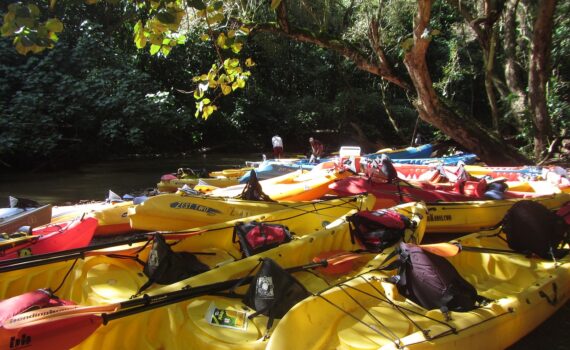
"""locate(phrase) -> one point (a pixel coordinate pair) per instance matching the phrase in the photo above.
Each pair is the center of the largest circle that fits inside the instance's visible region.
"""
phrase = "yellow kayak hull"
(295, 186)
(183, 325)
(173, 212)
(102, 280)
(473, 216)
(175, 184)
(377, 317)
(112, 217)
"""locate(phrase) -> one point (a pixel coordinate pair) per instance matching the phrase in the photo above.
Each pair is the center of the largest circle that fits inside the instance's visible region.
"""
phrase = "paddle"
(92, 250)
(66, 326)
(79, 253)
(451, 249)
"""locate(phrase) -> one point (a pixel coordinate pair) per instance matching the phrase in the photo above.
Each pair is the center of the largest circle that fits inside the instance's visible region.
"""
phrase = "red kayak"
(49, 238)
(390, 194)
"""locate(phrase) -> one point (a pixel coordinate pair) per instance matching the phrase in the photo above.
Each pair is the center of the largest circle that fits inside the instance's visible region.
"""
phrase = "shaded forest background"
(96, 96)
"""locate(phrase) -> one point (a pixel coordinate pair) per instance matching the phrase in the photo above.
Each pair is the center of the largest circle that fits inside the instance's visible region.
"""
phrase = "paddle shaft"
(146, 302)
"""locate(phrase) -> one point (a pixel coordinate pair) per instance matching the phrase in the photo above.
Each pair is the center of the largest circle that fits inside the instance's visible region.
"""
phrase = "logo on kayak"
(439, 217)
(194, 206)
(24, 340)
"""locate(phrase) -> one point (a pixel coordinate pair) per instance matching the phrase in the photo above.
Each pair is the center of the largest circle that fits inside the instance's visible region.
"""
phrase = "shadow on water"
(93, 182)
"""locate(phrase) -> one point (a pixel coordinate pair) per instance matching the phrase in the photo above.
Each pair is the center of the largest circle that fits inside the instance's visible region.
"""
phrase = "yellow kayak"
(295, 186)
(473, 216)
(368, 313)
(103, 281)
(112, 217)
(172, 212)
(172, 185)
(231, 173)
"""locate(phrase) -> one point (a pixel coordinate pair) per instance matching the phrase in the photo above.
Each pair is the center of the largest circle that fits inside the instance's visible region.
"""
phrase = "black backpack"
(432, 282)
(164, 266)
(273, 292)
(532, 228)
(378, 229)
(252, 190)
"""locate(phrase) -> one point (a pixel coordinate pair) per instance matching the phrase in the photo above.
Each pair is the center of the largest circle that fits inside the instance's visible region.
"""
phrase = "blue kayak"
(468, 158)
(423, 151)
(269, 169)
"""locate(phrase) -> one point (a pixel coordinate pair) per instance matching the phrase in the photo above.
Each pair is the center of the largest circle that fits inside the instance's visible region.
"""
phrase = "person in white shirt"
(277, 146)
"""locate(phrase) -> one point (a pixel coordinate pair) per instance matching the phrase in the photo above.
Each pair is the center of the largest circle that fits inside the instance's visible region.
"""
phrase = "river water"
(93, 182)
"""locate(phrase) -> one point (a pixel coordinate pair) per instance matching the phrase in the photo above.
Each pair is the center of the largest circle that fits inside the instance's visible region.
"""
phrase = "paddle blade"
(442, 249)
(338, 262)
(52, 334)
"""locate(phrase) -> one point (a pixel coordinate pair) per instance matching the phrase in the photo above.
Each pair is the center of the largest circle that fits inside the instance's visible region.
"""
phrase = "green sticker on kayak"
(226, 318)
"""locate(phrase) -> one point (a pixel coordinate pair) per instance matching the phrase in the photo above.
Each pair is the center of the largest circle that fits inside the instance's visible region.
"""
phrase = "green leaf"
(236, 47)
(138, 26)
(208, 110)
(165, 50)
(181, 39)
(275, 4)
(197, 4)
(54, 25)
(221, 41)
(34, 10)
(166, 17)
(217, 18)
(407, 44)
(226, 89)
(154, 49)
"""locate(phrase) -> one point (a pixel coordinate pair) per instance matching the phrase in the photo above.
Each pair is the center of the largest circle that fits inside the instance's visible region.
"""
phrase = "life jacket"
(432, 282)
(378, 229)
(532, 228)
(256, 237)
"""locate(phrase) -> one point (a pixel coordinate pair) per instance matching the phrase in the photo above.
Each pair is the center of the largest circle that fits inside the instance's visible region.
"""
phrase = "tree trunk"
(539, 71)
(489, 86)
(512, 67)
(465, 131)
(368, 146)
(433, 110)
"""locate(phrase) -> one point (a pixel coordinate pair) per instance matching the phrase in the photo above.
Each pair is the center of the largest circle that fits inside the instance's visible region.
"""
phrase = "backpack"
(164, 266)
(532, 228)
(376, 230)
(273, 292)
(252, 190)
(256, 237)
(432, 282)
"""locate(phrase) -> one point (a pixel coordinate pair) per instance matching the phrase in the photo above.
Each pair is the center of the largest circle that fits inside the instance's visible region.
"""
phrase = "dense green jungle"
(340, 71)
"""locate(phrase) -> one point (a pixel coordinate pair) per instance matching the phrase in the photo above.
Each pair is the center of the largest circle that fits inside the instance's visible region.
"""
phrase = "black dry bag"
(532, 228)
(433, 282)
(164, 266)
(378, 229)
(273, 291)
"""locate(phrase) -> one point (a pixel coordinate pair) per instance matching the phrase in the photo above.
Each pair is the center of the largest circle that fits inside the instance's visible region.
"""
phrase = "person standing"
(277, 143)
(317, 150)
